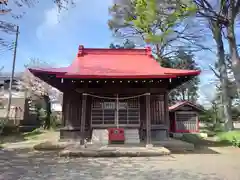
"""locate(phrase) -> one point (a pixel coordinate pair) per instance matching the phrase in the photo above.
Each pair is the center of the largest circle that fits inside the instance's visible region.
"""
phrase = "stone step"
(99, 136)
(132, 142)
(131, 136)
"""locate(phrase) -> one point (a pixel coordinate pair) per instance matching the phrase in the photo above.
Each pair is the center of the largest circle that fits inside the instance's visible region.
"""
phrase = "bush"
(218, 127)
(54, 122)
(33, 134)
(3, 123)
(236, 142)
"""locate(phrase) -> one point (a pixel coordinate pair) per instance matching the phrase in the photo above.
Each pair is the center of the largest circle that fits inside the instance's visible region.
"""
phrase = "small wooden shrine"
(184, 117)
(106, 88)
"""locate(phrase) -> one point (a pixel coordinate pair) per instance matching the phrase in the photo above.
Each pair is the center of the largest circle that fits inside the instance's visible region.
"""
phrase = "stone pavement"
(22, 165)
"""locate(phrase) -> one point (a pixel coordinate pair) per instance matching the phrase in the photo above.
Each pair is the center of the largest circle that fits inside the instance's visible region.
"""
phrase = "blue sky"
(54, 37)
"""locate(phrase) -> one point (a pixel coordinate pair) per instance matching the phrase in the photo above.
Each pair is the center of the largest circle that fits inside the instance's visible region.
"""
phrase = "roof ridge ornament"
(80, 50)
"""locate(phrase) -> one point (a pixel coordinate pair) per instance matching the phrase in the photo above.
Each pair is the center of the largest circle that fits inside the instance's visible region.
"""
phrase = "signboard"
(112, 105)
(109, 105)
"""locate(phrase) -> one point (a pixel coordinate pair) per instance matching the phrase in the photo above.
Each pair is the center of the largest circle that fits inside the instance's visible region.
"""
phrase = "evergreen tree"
(188, 91)
(127, 44)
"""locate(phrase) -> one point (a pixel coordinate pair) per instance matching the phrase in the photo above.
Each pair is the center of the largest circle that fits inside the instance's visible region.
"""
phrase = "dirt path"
(224, 164)
(39, 166)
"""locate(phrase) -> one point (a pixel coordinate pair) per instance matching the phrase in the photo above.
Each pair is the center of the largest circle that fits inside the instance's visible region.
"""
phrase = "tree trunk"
(235, 60)
(47, 123)
(226, 101)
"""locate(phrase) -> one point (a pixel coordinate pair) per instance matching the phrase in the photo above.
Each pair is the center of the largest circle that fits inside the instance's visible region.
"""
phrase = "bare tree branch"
(215, 72)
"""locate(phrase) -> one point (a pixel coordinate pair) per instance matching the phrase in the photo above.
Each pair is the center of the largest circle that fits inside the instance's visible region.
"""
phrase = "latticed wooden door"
(109, 112)
(186, 121)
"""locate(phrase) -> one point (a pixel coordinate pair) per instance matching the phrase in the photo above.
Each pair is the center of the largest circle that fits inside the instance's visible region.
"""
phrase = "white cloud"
(51, 19)
(84, 12)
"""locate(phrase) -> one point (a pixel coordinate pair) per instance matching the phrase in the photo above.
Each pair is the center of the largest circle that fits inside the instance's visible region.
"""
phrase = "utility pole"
(12, 74)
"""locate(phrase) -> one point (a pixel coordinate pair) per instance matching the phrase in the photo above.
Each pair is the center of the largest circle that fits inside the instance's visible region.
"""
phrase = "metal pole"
(12, 74)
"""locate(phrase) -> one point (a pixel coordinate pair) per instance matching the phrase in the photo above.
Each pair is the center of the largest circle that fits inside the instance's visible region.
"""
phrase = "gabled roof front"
(115, 63)
(184, 103)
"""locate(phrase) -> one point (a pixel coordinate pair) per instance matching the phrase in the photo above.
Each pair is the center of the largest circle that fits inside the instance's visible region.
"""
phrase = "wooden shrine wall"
(72, 110)
(158, 109)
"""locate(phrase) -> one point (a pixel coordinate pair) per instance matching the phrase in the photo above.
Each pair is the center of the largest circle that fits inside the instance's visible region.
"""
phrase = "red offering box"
(116, 134)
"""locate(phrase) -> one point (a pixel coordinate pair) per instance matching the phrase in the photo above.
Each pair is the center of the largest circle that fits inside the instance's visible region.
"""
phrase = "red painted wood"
(115, 63)
(116, 134)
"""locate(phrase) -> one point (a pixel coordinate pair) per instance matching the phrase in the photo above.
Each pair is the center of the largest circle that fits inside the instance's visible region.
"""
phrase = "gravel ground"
(16, 165)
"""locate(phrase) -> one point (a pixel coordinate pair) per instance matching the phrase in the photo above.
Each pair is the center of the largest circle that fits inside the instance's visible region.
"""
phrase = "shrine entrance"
(115, 111)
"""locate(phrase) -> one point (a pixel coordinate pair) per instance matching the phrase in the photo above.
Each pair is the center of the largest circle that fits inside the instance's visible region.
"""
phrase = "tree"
(3, 121)
(216, 21)
(36, 87)
(61, 4)
(165, 25)
(224, 13)
(1, 90)
(3, 7)
(127, 44)
(224, 81)
(230, 9)
(211, 115)
(187, 92)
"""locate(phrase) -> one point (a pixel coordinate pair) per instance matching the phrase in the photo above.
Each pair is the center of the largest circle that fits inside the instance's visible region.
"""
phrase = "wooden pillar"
(64, 110)
(148, 120)
(83, 118)
(166, 112)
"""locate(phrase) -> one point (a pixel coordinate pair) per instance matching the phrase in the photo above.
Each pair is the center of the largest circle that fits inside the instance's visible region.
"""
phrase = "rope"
(116, 98)
(117, 102)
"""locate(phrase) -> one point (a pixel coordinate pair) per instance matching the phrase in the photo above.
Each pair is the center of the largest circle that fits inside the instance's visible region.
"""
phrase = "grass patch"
(20, 137)
(212, 129)
(210, 133)
(228, 136)
(33, 134)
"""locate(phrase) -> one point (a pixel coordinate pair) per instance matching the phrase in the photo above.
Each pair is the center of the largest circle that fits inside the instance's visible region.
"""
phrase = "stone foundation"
(108, 151)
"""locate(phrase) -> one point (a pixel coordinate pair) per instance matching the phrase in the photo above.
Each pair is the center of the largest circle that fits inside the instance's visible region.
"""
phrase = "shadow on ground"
(177, 148)
(197, 150)
(203, 145)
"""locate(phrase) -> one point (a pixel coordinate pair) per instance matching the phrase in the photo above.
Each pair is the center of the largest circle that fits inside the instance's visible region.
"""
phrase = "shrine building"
(115, 88)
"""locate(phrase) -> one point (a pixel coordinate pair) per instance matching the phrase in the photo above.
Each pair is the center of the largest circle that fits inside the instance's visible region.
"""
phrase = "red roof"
(115, 63)
(183, 103)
